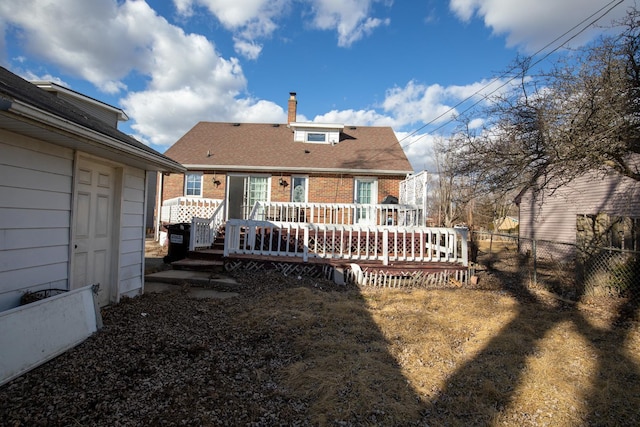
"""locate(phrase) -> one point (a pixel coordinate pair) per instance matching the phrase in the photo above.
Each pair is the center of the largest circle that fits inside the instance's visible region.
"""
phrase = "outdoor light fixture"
(283, 182)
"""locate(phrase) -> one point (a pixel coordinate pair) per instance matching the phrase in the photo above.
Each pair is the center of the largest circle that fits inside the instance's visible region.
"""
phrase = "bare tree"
(582, 116)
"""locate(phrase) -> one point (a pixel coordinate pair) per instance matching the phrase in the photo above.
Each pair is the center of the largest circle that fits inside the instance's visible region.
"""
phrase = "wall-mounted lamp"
(216, 182)
(283, 182)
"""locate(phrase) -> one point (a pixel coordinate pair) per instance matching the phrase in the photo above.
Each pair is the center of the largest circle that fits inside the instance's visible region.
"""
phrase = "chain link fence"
(567, 270)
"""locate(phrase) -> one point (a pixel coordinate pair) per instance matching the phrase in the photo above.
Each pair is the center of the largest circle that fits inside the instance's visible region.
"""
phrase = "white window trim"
(374, 191)
(306, 187)
(186, 176)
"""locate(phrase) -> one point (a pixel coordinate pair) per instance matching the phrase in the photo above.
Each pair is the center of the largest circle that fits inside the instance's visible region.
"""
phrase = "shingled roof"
(271, 147)
(15, 89)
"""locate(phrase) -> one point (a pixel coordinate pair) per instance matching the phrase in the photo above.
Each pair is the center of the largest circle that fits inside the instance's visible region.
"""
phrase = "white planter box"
(37, 332)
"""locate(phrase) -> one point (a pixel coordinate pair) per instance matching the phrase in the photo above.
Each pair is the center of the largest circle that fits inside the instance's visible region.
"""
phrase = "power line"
(609, 7)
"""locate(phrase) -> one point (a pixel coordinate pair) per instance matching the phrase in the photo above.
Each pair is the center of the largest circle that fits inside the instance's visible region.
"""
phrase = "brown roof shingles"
(268, 146)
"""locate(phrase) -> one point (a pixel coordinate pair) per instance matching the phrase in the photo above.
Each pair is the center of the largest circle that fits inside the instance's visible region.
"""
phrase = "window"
(608, 231)
(193, 185)
(316, 137)
(299, 189)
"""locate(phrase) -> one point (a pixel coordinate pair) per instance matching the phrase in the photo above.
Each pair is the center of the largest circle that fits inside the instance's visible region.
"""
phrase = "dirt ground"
(296, 352)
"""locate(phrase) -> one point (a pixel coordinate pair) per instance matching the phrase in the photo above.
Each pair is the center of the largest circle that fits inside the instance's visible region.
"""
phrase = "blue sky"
(170, 64)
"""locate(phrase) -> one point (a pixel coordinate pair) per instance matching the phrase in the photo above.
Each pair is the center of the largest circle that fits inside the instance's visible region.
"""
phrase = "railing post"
(305, 248)
(464, 247)
(228, 237)
(385, 246)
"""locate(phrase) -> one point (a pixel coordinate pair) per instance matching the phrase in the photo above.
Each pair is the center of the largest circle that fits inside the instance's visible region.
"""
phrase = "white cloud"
(350, 18)
(419, 150)
(355, 117)
(248, 20)
(435, 104)
(252, 20)
(186, 80)
(534, 24)
(248, 49)
(231, 13)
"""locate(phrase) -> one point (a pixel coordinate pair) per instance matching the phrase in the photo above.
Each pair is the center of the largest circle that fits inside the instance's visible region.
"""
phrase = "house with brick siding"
(243, 163)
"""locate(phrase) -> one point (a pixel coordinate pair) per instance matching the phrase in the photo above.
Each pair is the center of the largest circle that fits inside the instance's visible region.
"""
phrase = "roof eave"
(294, 169)
(105, 142)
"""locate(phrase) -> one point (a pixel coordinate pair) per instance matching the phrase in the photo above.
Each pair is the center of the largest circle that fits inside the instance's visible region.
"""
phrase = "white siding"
(101, 113)
(35, 201)
(553, 216)
(132, 229)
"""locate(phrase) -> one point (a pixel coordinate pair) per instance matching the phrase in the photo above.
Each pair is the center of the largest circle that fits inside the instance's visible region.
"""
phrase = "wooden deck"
(386, 256)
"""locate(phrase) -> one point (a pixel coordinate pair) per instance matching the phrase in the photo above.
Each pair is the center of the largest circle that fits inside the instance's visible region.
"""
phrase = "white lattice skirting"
(354, 275)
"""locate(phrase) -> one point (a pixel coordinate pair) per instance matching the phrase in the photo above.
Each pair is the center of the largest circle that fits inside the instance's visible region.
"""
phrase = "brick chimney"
(293, 104)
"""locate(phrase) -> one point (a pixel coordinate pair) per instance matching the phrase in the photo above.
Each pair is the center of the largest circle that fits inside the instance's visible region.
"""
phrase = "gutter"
(94, 138)
(296, 169)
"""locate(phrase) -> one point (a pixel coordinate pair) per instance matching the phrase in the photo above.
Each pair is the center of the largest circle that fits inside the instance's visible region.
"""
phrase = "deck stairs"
(209, 259)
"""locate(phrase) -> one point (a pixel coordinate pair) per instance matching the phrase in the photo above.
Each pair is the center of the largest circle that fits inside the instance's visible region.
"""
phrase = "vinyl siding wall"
(132, 233)
(549, 216)
(36, 182)
(35, 199)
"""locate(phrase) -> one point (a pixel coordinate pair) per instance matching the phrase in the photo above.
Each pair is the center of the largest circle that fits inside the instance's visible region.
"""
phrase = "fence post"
(535, 261)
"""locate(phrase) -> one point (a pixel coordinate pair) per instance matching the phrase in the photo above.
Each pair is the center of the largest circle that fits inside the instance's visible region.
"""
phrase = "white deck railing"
(338, 213)
(182, 209)
(203, 230)
(349, 242)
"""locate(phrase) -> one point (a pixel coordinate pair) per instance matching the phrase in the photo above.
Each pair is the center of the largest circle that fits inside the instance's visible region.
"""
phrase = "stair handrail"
(204, 230)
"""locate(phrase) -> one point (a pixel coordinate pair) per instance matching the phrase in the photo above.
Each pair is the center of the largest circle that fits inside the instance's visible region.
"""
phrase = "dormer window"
(316, 137)
(316, 133)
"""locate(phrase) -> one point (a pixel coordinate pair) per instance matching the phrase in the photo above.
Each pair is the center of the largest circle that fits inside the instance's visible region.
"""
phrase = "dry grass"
(454, 357)
(306, 352)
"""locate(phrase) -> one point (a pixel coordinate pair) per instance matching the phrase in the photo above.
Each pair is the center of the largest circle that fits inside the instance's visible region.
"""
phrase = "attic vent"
(352, 127)
(275, 125)
(236, 124)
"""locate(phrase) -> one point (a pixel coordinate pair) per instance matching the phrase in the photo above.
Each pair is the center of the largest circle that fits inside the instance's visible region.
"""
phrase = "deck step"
(197, 264)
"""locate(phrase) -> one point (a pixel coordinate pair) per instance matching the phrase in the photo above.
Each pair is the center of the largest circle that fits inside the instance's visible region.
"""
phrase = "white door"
(93, 227)
(366, 193)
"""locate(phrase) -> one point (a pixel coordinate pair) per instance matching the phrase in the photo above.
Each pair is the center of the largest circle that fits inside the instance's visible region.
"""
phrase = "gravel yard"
(164, 359)
(296, 351)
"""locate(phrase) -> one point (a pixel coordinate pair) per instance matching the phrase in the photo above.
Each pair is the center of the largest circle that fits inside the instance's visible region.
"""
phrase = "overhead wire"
(609, 7)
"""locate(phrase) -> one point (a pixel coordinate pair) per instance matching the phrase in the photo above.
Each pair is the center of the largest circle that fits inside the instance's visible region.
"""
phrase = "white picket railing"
(203, 230)
(346, 241)
(183, 209)
(338, 213)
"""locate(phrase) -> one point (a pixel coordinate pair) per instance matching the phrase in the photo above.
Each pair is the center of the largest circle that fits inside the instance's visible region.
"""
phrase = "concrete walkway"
(201, 284)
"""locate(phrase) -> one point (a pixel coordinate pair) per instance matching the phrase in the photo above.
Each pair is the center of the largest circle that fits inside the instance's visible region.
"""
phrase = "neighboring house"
(294, 162)
(506, 224)
(72, 193)
(592, 210)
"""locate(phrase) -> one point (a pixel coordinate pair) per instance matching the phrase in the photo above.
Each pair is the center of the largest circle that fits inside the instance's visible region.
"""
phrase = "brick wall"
(172, 185)
(323, 188)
